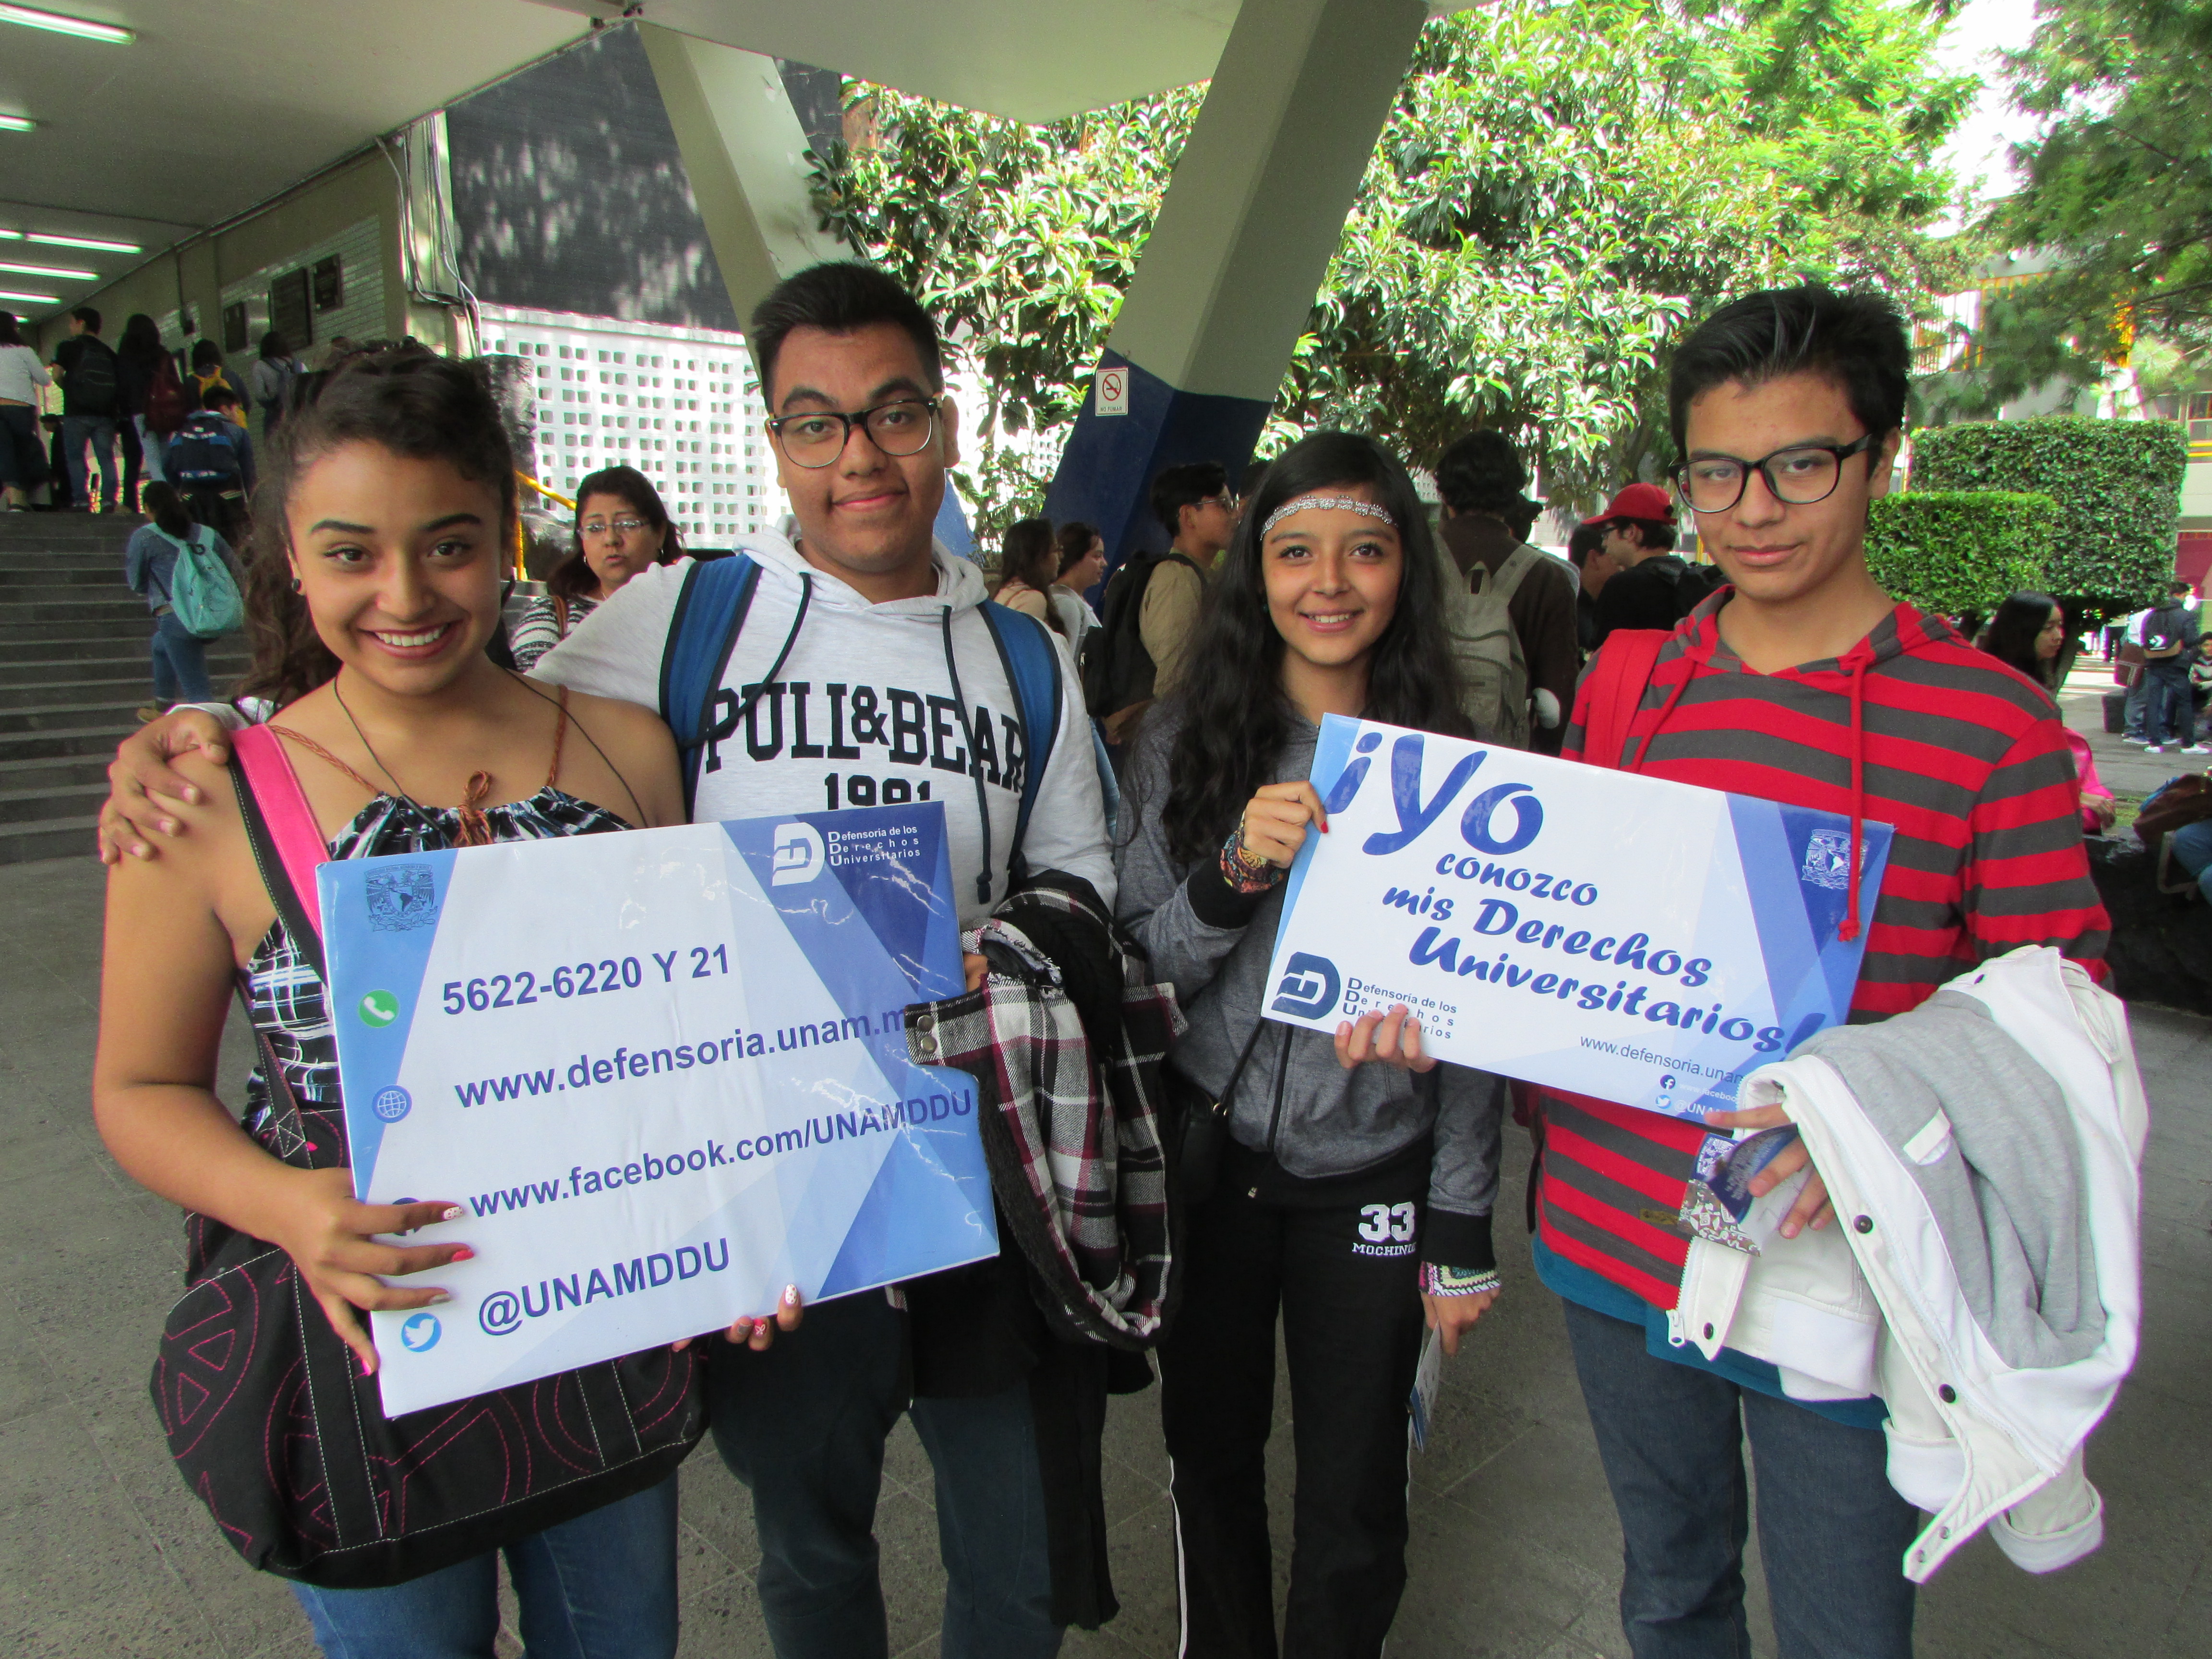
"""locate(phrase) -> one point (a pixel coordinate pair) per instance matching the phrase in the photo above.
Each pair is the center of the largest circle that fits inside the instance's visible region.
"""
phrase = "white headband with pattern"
(1345, 503)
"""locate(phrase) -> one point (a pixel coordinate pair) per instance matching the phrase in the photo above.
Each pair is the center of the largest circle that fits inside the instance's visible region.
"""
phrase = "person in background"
(21, 375)
(149, 564)
(211, 460)
(2170, 640)
(1804, 682)
(271, 375)
(2027, 634)
(208, 373)
(622, 528)
(138, 360)
(1656, 586)
(1028, 563)
(91, 389)
(1082, 568)
(1352, 1200)
(1586, 551)
(1484, 483)
(1194, 506)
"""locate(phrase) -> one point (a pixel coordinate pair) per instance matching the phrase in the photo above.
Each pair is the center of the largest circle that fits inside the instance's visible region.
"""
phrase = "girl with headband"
(1351, 1193)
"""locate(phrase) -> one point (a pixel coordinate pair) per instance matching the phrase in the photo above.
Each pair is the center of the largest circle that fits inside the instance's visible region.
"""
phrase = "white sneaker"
(2153, 749)
(2197, 749)
(2138, 741)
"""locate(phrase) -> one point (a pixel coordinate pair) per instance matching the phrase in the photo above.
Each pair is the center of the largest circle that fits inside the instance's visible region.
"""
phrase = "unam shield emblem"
(1829, 860)
(401, 899)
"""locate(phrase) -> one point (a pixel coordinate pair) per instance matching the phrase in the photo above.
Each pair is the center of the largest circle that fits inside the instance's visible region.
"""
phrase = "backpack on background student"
(1117, 671)
(204, 452)
(93, 386)
(2165, 634)
(1493, 670)
(167, 403)
(201, 591)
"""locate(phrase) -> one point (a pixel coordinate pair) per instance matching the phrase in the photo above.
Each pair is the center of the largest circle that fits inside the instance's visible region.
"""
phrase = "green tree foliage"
(1953, 551)
(1563, 186)
(2117, 485)
(2118, 185)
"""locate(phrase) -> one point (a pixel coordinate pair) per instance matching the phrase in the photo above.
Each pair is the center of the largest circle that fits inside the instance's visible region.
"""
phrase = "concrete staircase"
(73, 671)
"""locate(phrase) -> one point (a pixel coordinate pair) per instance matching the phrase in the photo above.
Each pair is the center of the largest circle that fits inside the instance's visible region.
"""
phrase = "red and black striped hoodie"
(1912, 727)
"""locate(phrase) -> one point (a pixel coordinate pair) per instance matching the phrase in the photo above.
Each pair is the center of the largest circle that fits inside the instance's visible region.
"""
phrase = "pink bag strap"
(292, 833)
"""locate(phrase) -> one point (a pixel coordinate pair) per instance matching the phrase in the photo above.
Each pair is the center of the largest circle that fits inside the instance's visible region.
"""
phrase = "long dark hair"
(142, 339)
(1073, 542)
(167, 508)
(413, 403)
(1234, 717)
(2012, 631)
(1027, 554)
(574, 577)
(10, 334)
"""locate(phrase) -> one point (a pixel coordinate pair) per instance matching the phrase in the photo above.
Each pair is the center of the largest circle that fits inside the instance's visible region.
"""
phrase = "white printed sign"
(1113, 391)
(666, 1073)
(1642, 941)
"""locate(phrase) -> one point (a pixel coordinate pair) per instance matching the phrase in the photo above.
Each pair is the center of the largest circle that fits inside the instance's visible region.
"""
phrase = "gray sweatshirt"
(1293, 1102)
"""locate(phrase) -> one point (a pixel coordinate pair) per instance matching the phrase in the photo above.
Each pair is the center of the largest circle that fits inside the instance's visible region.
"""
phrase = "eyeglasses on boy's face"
(902, 426)
(1800, 474)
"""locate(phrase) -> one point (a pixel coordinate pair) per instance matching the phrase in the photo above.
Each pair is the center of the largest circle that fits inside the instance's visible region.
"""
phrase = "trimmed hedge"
(1952, 551)
(2117, 485)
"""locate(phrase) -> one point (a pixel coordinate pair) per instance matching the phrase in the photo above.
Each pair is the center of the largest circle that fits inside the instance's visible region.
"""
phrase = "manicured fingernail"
(366, 1370)
(168, 826)
(464, 1254)
(453, 1213)
(791, 1296)
(437, 1296)
(191, 794)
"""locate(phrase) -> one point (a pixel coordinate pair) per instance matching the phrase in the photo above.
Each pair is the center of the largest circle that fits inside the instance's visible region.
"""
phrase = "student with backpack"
(375, 585)
(1342, 1186)
(2170, 645)
(183, 572)
(1654, 586)
(1804, 683)
(91, 400)
(1517, 596)
(1150, 606)
(211, 460)
(859, 667)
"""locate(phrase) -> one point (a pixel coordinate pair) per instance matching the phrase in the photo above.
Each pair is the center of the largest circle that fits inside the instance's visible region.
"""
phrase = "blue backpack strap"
(1032, 665)
(710, 610)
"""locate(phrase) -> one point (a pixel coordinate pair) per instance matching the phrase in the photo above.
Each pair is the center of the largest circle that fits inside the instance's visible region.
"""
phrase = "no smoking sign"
(1113, 391)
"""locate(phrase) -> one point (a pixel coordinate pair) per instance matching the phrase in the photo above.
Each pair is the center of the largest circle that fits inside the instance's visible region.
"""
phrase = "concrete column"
(1228, 278)
(746, 155)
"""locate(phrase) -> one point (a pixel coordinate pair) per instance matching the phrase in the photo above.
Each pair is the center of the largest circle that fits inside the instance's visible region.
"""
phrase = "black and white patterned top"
(539, 628)
(287, 998)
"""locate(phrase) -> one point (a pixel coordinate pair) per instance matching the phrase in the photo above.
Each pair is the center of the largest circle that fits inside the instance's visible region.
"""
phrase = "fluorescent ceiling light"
(84, 28)
(17, 123)
(29, 298)
(58, 272)
(93, 242)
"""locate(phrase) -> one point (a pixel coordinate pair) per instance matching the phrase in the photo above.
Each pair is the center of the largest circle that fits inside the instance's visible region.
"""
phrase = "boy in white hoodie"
(890, 688)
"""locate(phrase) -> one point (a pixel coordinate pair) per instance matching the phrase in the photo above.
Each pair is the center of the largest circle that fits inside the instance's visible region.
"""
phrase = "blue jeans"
(602, 1586)
(804, 1426)
(2169, 712)
(1832, 1530)
(98, 431)
(2192, 851)
(2131, 721)
(180, 672)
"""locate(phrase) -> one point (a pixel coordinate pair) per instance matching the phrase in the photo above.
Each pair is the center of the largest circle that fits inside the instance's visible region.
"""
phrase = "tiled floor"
(103, 1553)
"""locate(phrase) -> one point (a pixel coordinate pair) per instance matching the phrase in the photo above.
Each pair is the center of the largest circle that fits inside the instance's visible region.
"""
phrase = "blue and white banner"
(1625, 937)
(665, 1070)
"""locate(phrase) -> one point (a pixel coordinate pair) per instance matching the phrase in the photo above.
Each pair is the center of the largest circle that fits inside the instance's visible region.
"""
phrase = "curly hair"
(1235, 718)
(405, 398)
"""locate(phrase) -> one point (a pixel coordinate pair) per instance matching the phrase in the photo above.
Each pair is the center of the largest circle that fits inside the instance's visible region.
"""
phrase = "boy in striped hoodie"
(1802, 682)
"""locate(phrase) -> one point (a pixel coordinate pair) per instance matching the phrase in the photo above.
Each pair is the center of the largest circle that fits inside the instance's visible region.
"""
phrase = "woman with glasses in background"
(621, 528)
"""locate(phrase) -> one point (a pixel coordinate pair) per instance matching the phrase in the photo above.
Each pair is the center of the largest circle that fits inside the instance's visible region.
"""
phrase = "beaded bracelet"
(1245, 870)
(1458, 1282)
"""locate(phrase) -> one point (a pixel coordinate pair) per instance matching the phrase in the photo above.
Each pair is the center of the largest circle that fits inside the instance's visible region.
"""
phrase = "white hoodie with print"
(865, 711)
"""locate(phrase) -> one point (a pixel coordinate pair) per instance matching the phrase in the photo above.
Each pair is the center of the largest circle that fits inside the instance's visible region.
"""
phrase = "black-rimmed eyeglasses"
(1798, 475)
(902, 426)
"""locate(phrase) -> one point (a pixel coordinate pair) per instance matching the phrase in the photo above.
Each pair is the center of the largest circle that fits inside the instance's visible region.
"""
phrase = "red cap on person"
(1646, 502)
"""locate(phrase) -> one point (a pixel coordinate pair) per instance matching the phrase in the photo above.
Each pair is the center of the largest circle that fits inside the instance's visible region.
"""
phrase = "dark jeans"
(1832, 1530)
(1352, 1327)
(134, 460)
(180, 672)
(804, 1425)
(2169, 711)
(21, 467)
(602, 1586)
(98, 431)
